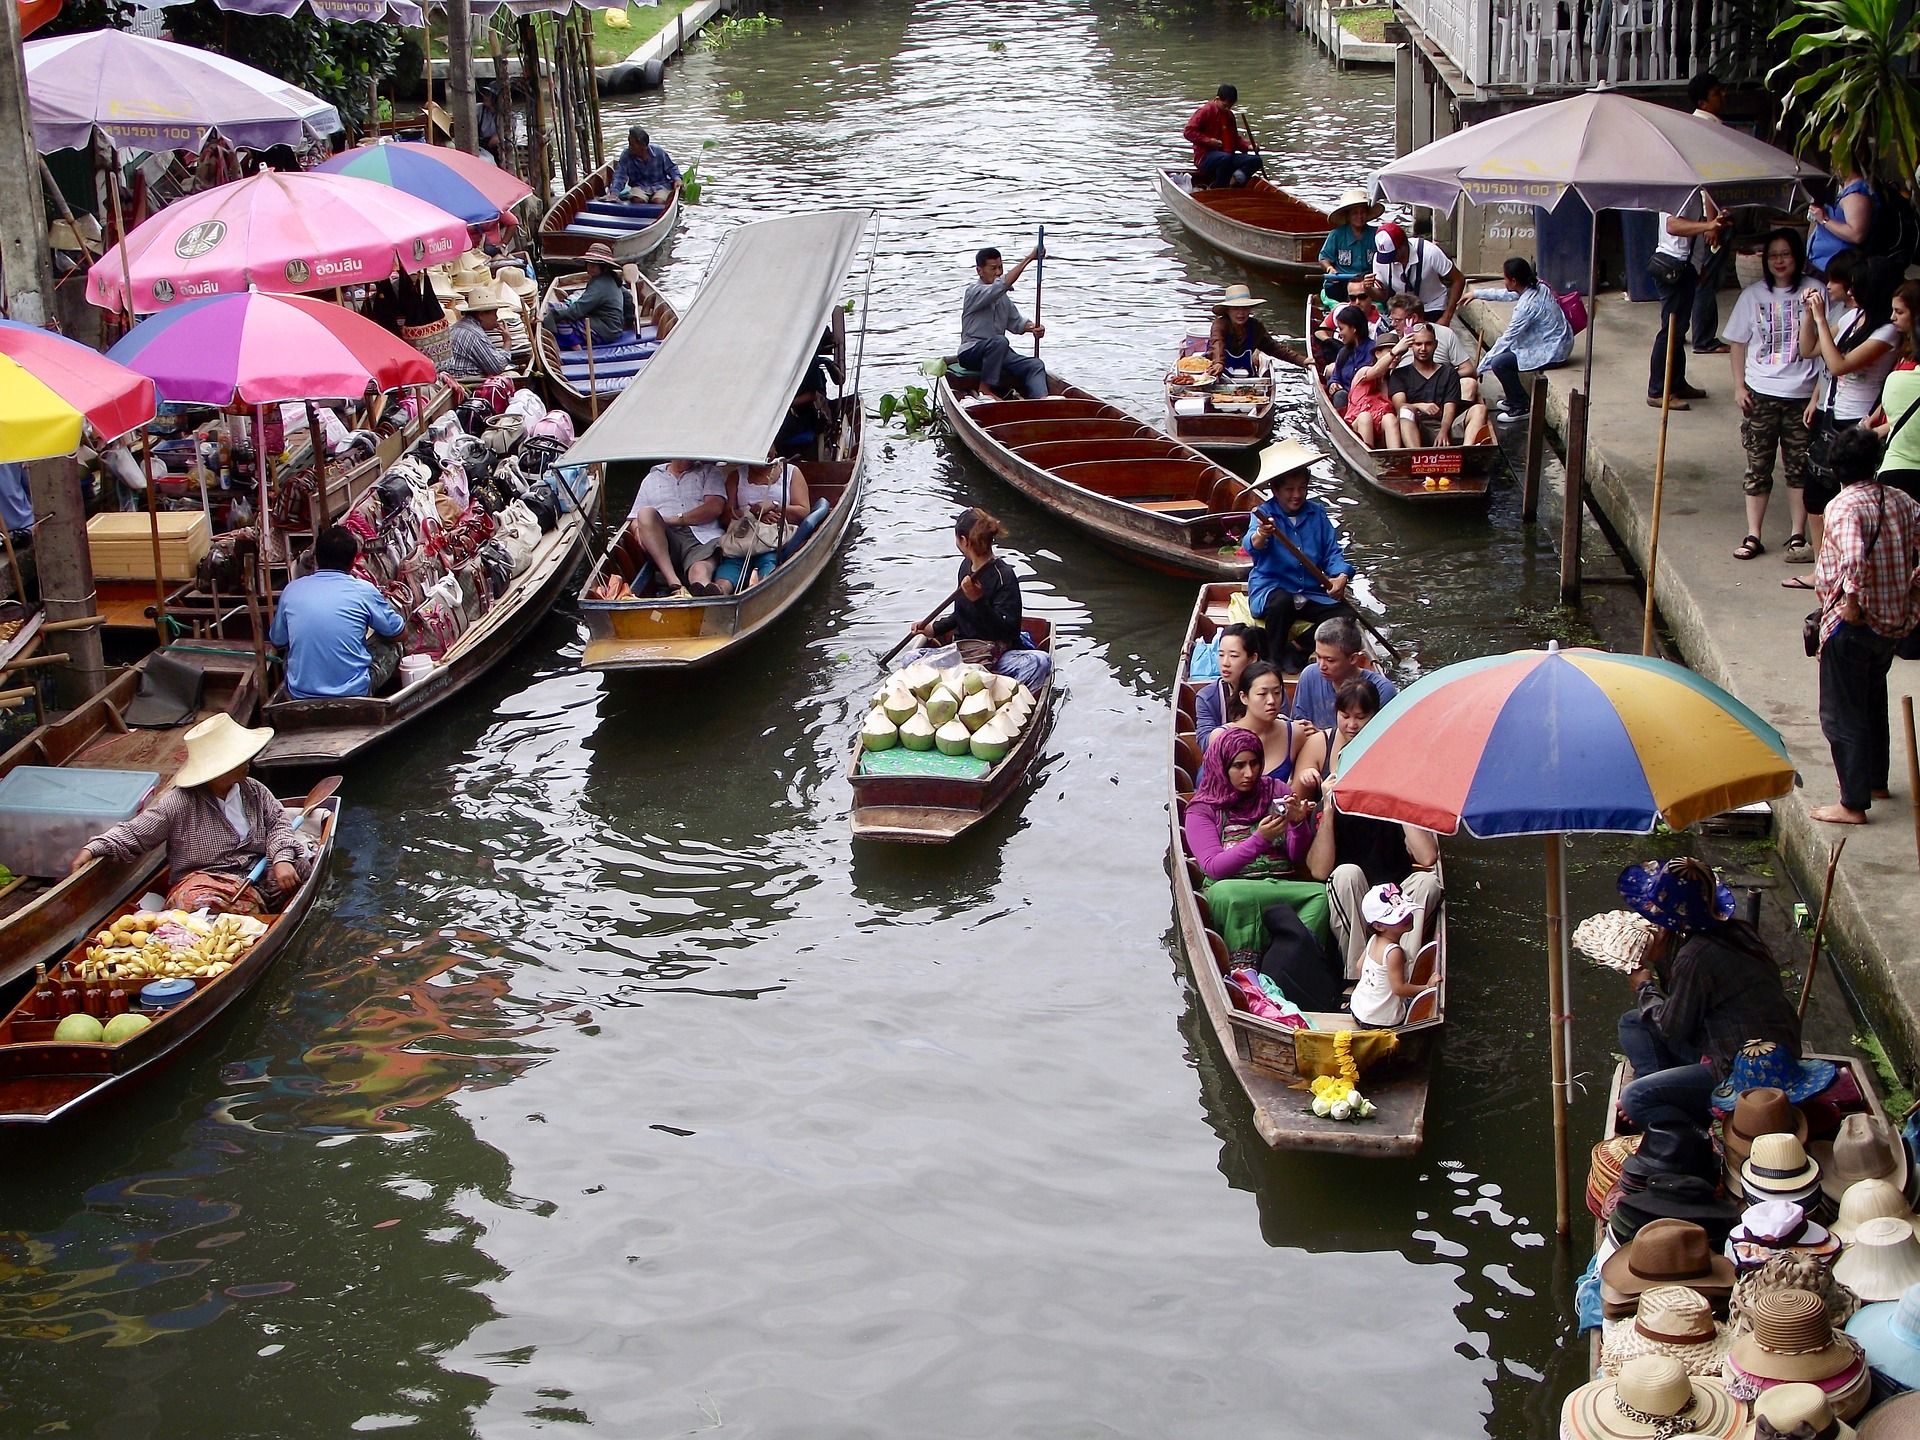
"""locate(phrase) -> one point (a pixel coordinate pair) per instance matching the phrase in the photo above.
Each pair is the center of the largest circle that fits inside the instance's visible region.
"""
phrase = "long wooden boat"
(1234, 413)
(718, 391)
(585, 216)
(572, 382)
(313, 733)
(1258, 222)
(43, 1080)
(40, 916)
(1140, 493)
(934, 809)
(1441, 475)
(1260, 1052)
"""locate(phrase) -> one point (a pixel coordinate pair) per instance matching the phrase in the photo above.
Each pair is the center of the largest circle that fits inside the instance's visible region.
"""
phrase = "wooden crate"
(121, 544)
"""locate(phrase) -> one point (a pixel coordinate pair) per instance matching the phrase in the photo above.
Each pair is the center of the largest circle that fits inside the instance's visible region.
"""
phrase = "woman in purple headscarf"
(1249, 834)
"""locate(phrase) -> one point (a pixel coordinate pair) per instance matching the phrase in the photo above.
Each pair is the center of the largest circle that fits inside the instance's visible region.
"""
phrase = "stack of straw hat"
(1792, 1340)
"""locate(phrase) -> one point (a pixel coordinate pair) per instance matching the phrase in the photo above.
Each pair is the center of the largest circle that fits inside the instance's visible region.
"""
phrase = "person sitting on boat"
(764, 504)
(475, 343)
(675, 519)
(1707, 986)
(1219, 703)
(1385, 987)
(1417, 266)
(987, 316)
(1537, 335)
(644, 172)
(986, 607)
(1356, 380)
(1280, 588)
(1403, 313)
(1354, 853)
(1239, 339)
(1219, 157)
(811, 412)
(1300, 751)
(1427, 396)
(601, 304)
(1339, 655)
(1348, 251)
(1250, 834)
(217, 823)
(322, 622)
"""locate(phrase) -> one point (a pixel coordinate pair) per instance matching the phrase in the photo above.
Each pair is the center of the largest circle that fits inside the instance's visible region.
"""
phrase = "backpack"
(1894, 231)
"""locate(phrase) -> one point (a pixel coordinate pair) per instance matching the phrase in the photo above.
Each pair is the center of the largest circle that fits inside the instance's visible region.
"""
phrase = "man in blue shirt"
(1281, 590)
(322, 625)
(644, 171)
(1338, 655)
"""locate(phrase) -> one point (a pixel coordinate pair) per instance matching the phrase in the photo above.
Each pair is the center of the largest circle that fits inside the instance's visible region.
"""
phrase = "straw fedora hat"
(1789, 1410)
(1791, 1338)
(1779, 1168)
(1883, 1260)
(485, 297)
(1671, 1320)
(1668, 1252)
(1650, 1392)
(1763, 1110)
(1240, 297)
(216, 745)
(1617, 939)
(444, 290)
(518, 281)
(471, 269)
(1865, 1149)
(1895, 1419)
(598, 254)
(1337, 212)
(1869, 1200)
(1889, 1331)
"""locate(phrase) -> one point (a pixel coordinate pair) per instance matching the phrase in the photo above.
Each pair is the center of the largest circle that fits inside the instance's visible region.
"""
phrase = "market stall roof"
(720, 385)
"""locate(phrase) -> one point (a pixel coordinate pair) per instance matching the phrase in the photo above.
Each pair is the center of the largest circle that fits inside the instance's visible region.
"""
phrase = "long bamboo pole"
(1913, 769)
(1659, 488)
(1556, 1024)
(1820, 925)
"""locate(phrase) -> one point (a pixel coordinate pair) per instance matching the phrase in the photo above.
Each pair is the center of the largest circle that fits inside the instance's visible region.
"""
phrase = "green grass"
(611, 46)
(1366, 24)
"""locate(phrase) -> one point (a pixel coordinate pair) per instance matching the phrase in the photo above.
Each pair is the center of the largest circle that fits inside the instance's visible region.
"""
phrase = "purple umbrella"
(400, 12)
(154, 95)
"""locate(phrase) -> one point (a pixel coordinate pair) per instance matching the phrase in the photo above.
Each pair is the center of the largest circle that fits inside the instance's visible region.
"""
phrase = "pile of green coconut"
(960, 710)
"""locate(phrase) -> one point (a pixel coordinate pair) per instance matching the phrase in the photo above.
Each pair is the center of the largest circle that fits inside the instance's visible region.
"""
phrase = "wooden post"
(540, 168)
(1659, 490)
(679, 32)
(1820, 925)
(466, 133)
(1556, 1010)
(153, 533)
(426, 82)
(1575, 485)
(1536, 450)
(1913, 769)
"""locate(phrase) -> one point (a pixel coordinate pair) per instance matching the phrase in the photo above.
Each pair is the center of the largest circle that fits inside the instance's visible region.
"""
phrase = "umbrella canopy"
(476, 190)
(280, 231)
(154, 95)
(50, 386)
(259, 349)
(1614, 152)
(1542, 741)
(400, 12)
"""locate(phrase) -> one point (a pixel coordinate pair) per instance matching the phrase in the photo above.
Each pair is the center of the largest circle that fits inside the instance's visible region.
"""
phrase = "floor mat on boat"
(902, 761)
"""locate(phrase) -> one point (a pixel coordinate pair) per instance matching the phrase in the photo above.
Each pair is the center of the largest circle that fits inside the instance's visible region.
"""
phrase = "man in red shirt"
(1219, 158)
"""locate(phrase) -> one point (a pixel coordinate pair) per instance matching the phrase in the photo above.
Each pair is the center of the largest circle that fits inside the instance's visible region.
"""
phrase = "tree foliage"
(1852, 94)
(335, 61)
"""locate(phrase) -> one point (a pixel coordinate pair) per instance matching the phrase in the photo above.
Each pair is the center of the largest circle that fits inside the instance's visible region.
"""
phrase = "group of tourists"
(710, 529)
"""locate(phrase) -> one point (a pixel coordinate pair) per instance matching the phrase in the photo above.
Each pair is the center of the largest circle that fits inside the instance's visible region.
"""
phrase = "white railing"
(1574, 44)
(1458, 27)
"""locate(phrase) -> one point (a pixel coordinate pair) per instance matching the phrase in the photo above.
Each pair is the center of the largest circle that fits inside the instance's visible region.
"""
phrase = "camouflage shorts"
(1772, 424)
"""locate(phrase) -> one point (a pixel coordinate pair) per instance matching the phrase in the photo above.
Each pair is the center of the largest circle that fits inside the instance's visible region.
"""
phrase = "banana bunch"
(170, 944)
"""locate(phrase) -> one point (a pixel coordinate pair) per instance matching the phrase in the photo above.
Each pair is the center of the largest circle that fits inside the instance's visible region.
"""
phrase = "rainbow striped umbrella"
(476, 190)
(50, 386)
(1539, 742)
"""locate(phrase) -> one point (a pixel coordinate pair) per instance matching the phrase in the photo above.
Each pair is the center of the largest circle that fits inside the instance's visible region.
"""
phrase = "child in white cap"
(1380, 998)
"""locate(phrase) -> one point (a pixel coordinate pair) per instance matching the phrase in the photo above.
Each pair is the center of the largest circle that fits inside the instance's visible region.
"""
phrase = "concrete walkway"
(1733, 623)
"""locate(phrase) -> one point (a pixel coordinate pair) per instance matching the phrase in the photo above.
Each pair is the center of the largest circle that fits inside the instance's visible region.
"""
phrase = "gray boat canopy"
(719, 387)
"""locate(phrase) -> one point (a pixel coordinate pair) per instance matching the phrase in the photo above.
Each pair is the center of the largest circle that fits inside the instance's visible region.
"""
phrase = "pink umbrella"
(275, 231)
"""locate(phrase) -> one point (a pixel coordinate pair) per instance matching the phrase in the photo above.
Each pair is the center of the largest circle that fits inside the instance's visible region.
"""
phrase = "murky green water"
(610, 1088)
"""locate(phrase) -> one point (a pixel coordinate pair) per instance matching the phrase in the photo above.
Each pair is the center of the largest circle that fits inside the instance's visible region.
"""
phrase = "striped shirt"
(474, 352)
(1870, 551)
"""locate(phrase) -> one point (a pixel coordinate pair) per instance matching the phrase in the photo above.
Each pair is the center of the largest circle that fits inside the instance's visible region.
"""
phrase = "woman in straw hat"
(216, 823)
(1653, 1399)
(1347, 254)
(602, 303)
(1238, 337)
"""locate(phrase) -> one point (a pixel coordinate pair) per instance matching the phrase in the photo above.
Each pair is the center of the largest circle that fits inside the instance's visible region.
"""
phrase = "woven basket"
(435, 340)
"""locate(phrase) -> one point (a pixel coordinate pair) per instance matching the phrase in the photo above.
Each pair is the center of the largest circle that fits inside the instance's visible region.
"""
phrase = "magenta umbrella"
(275, 231)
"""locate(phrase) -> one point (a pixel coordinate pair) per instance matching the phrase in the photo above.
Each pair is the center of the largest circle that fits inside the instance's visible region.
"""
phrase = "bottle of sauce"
(45, 1004)
(117, 1001)
(93, 998)
(69, 992)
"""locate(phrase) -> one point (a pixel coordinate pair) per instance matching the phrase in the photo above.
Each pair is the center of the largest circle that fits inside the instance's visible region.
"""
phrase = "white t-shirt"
(751, 494)
(1680, 247)
(1374, 1002)
(1855, 396)
(1428, 263)
(1767, 322)
(233, 805)
(673, 494)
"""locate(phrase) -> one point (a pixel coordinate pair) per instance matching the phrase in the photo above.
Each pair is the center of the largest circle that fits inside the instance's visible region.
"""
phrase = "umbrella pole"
(153, 533)
(1593, 298)
(1556, 1022)
(263, 477)
(1659, 489)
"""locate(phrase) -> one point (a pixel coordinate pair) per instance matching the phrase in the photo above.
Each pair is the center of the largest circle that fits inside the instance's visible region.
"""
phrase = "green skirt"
(1237, 906)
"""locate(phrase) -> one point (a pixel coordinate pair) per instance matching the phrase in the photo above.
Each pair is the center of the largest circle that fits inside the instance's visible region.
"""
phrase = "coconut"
(920, 678)
(952, 738)
(973, 680)
(1017, 708)
(976, 710)
(879, 733)
(1009, 720)
(899, 703)
(1001, 688)
(879, 698)
(991, 741)
(942, 705)
(917, 732)
(951, 676)
(1020, 692)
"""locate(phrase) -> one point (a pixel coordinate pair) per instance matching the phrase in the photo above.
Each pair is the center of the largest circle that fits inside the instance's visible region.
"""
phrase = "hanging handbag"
(749, 536)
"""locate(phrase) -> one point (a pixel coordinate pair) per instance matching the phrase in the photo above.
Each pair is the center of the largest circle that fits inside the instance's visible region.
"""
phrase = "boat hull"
(571, 396)
(563, 247)
(1293, 252)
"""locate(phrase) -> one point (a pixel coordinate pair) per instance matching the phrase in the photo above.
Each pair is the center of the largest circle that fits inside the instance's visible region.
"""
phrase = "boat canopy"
(719, 387)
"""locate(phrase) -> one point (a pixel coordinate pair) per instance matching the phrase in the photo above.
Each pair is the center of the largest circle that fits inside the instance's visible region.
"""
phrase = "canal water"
(611, 1089)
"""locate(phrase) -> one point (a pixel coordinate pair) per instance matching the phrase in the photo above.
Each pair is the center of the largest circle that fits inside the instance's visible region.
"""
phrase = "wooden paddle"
(316, 797)
(1289, 456)
(934, 615)
(1039, 279)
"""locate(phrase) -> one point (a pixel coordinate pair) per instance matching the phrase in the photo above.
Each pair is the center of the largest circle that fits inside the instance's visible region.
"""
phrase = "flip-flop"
(1796, 582)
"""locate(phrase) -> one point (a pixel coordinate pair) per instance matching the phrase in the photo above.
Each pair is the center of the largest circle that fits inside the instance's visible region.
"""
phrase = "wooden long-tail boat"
(573, 381)
(585, 216)
(1223, 416)
(1135, 490)
(934, 809)
(718, 391)
(43, 1080)
(1454, 475)
(1262, 1053)
(1258, 222)
(40, 916)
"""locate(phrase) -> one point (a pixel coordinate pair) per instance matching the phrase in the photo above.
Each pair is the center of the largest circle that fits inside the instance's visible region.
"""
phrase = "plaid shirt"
(1870, 550)
(473, 350)
(198, 835)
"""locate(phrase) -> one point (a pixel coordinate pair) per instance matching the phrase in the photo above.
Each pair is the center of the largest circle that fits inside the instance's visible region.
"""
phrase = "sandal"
(1797, 551)
(1749, 548)
(1796, 582)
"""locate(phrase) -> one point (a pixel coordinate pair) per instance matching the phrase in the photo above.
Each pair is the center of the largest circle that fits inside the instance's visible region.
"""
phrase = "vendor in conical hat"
(216, 822)
(1238, 335)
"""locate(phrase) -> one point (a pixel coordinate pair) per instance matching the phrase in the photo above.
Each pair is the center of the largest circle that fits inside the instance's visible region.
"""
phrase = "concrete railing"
(1574, 44)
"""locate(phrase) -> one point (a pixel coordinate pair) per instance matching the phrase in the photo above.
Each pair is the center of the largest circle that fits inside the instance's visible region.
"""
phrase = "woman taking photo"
(986, 607)
(1849, 326)
(1898, 422)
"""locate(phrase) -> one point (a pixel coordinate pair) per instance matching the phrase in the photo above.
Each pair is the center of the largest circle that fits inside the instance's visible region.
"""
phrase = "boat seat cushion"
(616, 210)
(1178, 509)
(602, 227)
(805, 528)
